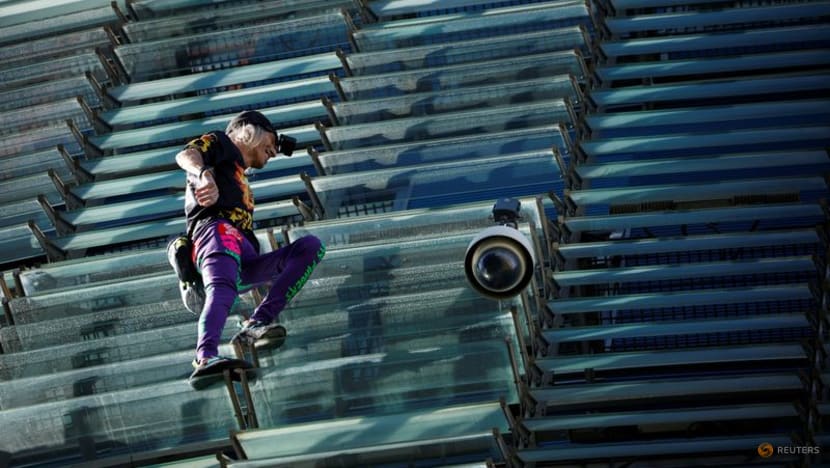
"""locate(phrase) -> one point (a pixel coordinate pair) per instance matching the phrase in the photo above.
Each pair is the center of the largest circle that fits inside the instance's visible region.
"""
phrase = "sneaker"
(254, 330)
(209, 371)
(193, 297)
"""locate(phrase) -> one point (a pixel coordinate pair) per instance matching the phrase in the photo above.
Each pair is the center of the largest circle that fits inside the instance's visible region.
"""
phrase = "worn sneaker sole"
(213, 374)
(274, 337)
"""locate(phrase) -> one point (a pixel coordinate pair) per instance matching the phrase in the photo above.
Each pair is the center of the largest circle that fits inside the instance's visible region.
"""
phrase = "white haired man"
(219, 206)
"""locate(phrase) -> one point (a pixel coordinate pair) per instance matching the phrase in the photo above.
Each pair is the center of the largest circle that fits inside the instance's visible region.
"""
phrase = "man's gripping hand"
(206, 193)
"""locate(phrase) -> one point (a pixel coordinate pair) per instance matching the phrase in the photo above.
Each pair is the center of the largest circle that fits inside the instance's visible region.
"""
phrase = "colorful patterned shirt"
(236, 201)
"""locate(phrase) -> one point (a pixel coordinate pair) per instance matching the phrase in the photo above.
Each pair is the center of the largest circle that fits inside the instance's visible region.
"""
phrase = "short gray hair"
(247, 134)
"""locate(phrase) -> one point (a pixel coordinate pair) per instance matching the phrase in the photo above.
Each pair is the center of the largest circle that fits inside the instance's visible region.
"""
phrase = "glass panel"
(448, 125)
(367, 431)
(687, 244)
(158, 8)
(120, 234)
(261, 96)
(182, 131)
(108, 320)
(431, 103)
(132, 185)
(134, 292)
(40, 27)
(457, 76)
(53, 47)
(119, 423)
(501, 47)
(175, 179)
(692, 119)
(279, 70)
(115, 268)
(733, 18)
(433, 151)
(412, 224)
(723, 189)
(33, 117)
(39, 140)
(20, 212)
(133, 419)
(386, 365)
(211, 17)
(22, 13)
(33, 163)
(797, 215)
(473, 26)
(154, 233)
(402, 359)
(696, 45)
(29, 187)
(115, 165)
(281, 116)
(700, 271)
(171, 205)
(224, 49)
(771, 296)
(50, 91)
(358, 274)
(392, 8)
(691, 144)
(737, 91)
(736, 166)
(81, 272)
(513, 175)
(17, 243)
(453, 17)
(53, 69)
(463, 450)
(126, 212)
(97, 379)
(744, 63)
(278, 213)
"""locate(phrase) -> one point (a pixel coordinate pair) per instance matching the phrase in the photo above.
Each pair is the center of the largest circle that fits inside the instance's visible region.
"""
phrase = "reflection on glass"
(458, 148)
(43, 71)
(523, 174)
(50, 91)
(423, 223)
(495, 119)
(490, 48)
(466, 27)
(458, 76)
(212, 17)
(384, 108)
(50, 48)
(222, 49)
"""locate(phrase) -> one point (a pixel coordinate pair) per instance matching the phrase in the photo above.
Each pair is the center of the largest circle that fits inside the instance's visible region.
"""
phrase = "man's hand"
(207, 193)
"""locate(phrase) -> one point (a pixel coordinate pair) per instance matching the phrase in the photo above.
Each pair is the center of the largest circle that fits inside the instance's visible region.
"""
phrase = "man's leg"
(218, 248)
(219, 273)
(288, 269)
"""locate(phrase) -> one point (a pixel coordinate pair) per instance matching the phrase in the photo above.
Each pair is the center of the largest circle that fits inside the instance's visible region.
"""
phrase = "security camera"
(499, 260)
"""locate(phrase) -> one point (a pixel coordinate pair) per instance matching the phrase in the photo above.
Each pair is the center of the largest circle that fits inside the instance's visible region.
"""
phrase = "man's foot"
(208, 371)
(193, 297)
(253, 331)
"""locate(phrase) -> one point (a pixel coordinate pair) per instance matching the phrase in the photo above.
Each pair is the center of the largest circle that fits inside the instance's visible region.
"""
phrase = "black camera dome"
(496, 268)
(499, 262)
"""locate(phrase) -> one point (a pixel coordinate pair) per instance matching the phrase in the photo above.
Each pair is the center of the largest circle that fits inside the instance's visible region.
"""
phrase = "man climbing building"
(219, 206)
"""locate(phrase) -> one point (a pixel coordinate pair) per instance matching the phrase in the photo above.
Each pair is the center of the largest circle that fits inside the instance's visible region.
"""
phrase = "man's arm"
(206, 191)
(190, 159)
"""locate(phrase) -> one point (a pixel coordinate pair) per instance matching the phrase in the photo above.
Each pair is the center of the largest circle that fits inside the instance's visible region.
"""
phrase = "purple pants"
(230, 266)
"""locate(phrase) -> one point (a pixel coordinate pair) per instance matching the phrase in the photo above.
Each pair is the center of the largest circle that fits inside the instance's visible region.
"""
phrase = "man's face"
(261, 153)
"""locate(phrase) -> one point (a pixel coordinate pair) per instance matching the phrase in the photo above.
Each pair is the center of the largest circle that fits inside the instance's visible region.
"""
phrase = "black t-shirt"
(236, 202)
